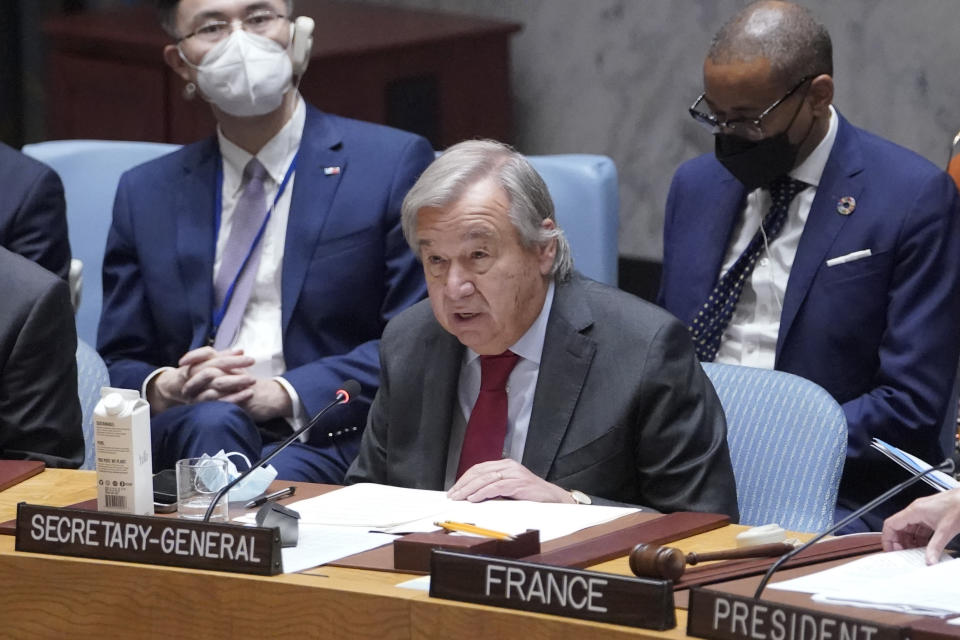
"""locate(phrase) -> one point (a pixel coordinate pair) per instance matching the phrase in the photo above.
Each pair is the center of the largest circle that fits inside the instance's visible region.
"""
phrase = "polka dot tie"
(712, 319)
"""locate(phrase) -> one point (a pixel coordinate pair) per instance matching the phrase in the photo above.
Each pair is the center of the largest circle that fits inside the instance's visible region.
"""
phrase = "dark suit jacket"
(33, 214)
(346, 267)
(880, 334)
(40, 415)
(622, 410)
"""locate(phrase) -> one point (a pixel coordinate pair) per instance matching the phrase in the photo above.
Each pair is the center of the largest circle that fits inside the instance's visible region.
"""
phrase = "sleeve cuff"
(149, 378)
(298, 419)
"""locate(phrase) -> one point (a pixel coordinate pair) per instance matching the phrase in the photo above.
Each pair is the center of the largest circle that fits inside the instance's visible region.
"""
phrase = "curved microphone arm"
(344, 395)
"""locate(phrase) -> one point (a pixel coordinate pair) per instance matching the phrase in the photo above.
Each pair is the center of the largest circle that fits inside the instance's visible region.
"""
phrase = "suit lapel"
(441, 374)
(564, 365)
(715, 228)
(314, 188)
(194, 220)
(841, 177)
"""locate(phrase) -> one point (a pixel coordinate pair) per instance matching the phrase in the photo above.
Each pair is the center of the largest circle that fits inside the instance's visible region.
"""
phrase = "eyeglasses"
(262, 22)
(750, 128)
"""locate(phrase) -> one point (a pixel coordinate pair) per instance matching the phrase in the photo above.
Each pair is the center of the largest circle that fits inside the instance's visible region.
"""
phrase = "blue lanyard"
(220, 312)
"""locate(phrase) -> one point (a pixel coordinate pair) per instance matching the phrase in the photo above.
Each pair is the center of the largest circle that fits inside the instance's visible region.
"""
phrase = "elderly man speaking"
(520, 378)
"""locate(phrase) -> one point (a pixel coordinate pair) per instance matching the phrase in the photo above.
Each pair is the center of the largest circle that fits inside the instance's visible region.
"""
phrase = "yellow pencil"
(475, 530)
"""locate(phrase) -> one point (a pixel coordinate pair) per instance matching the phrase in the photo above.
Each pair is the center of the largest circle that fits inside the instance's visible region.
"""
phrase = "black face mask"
(756, 163)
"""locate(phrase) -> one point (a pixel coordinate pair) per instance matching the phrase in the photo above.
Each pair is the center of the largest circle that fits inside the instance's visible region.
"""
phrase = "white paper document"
(895, 581)
(938, 479)
(399, 510)
(417, 584)
(374, 506)
(318, 544)
(516, 516)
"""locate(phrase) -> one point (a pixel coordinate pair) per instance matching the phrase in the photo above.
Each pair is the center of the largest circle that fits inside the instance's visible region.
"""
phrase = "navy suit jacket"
(346, 266)
(644, 428)
(33, 213)
(880, 334)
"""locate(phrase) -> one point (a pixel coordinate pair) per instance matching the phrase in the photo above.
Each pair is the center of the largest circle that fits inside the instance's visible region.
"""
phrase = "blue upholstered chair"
(91, 376)
(584, 189)
(586, 196)
(90, 170)
(788, 441)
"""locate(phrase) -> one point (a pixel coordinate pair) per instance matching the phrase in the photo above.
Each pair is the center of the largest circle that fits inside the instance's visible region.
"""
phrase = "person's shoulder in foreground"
(33, 212)
(40, 416)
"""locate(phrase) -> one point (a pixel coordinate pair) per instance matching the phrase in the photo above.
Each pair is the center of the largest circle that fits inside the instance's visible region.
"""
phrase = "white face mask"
(245, 74)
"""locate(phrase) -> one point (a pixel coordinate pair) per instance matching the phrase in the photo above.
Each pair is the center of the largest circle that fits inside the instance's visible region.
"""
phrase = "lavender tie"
(247, 218)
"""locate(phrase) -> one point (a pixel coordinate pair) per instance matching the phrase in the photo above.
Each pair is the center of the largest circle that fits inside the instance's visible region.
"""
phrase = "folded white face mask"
(245, 74)
(253, 485)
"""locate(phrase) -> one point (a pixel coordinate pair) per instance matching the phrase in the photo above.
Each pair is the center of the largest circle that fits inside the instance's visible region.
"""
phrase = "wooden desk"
(443, 76)
(54, 596)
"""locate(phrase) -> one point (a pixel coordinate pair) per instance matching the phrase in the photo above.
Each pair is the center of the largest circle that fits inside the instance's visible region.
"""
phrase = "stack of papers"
(938, 479)
(319, 544)
(895, 581)
(398, 510)
(361, 517)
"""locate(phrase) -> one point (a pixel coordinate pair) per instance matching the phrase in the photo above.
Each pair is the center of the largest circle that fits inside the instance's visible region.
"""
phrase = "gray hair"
(788, 35)
(168, 15)
(467, 163)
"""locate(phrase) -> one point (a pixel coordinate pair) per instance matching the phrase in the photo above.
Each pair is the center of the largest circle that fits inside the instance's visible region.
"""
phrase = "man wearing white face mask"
(247, 275)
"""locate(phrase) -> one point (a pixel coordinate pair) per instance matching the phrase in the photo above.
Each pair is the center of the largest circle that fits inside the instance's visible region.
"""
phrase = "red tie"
(487, 427)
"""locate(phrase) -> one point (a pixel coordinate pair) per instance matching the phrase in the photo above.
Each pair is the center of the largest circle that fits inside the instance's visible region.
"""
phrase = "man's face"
(744, 89)
(193, 14)
(485, 288)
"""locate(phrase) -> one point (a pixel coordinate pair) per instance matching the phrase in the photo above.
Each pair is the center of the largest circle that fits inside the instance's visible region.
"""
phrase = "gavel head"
(652, 561)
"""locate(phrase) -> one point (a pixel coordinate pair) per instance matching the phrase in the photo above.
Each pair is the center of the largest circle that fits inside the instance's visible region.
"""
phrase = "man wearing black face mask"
(807, 245)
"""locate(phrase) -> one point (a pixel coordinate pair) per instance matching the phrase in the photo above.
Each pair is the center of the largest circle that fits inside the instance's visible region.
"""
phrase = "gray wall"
(616, 76)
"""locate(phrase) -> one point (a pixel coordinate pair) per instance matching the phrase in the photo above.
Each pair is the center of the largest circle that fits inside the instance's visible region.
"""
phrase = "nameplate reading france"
(727, 616)
(573, 593)
(148, 540)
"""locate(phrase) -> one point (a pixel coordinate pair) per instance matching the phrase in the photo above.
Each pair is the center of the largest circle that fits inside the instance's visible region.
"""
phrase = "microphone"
(344, 394)
(946, 466)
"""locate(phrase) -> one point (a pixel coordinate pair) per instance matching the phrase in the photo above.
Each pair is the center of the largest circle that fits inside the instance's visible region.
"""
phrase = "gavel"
(668, 563)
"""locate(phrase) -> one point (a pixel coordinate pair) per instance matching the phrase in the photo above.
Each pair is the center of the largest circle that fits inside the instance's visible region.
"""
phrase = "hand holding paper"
(932, 522)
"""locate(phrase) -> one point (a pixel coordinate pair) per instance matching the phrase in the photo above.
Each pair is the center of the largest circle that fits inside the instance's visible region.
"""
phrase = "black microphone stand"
(945, 466)
(350, 389)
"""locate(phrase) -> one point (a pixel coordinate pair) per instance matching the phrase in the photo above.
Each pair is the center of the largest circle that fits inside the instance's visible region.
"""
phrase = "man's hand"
(201, 375)
(932, 521)
(267, 399)
(505, 479)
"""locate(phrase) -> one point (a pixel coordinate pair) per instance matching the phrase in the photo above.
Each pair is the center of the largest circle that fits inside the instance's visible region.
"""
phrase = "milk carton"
(121, 429)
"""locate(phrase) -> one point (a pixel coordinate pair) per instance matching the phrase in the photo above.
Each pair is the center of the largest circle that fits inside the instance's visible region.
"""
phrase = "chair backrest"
(587, 200)
(91, 376)
(90, 170)
(584, 189)
(788, 442)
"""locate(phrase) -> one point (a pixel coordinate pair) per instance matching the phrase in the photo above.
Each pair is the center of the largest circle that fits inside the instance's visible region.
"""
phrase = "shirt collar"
(275, 156)
(811, 169)
(530, 344)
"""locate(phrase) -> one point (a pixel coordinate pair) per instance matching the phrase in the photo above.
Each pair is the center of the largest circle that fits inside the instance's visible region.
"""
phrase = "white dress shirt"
(261, 333)
(521, 386)
(751, 337)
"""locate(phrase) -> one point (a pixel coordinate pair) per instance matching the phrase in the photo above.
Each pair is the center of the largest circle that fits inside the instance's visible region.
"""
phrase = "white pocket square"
(850, 257)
